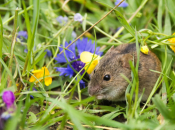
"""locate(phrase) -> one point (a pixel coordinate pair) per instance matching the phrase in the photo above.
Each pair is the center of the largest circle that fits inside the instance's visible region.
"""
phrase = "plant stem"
(93, 25)
(13, 44)
(135, 13)
(104, 32)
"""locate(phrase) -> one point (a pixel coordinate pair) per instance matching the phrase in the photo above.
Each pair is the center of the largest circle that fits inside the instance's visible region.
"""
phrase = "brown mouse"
(106, 81)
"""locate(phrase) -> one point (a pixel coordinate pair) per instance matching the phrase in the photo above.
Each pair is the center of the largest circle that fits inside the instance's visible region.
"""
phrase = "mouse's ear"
(125, 58)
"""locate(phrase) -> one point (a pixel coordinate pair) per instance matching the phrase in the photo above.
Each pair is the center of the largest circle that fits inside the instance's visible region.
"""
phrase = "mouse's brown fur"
(116, 62)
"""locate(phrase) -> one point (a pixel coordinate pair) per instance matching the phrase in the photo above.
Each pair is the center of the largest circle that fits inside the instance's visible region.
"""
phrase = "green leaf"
(166, 113)
(38, 58)
(4, 79)
(13, 122)
(32, 118)
(54, 84)
(84, 22)
(167, 26)
(26, 16)
(160, 15)
(68, 34)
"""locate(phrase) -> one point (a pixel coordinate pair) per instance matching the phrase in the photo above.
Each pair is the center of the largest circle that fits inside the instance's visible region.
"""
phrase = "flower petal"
(70, 54)
(46, 71)
(82, 84)
(86, 56)
(78, 17)
(48, 81)
(40, 74)
(65, 71)
(61, 58)
(173, 48)
(78, 65)
(32, 79)
(37, 71)
(144, 49)
(8, 98)
(172, 40)
(123, 4)
(92, 66)
(81, 45)
(71, 51)
(49, 53)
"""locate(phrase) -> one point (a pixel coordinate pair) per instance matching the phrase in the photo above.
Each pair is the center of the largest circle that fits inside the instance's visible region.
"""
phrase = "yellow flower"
(172, 40)
(86, 57)
(144, 49)
(40, 74)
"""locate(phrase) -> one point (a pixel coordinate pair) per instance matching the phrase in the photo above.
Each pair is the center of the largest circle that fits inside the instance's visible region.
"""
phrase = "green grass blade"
(12, 124)
(1, 38)
(160, 15)
(162, 107)
(125, 23)
(26, 16)
(167, 26)
(1, 43)
(30, 41)
(10, 75)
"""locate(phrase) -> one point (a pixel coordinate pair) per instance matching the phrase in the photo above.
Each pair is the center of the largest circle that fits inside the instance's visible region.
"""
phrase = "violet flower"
(73, 57)
(62, 20)
(26, 50)
(9, 98)
(78, 17)
(49, 53)
(123, 4)
(22, 35)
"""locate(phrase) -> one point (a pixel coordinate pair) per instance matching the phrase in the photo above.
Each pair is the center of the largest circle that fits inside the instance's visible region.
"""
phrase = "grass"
(147, 22)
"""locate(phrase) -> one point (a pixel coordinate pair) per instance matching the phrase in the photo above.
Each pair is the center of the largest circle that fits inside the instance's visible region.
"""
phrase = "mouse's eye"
(106, 77)
(94, 71)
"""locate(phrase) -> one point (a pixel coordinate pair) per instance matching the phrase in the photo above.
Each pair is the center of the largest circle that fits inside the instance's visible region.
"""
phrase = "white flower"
(78, 17)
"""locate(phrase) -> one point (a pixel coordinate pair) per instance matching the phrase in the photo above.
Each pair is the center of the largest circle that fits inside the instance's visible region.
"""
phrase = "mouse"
(106, 81)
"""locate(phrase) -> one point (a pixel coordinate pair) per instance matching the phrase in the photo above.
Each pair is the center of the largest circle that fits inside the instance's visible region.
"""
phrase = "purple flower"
(25, 50)
(49, 53)
(123, 4)
(85, 45)
(78, 65)
(22, 35)
(82, 84)
(62, 20)
(5, 115)
(78, 17)
(72, 56)
(9, 98)
(65, 71)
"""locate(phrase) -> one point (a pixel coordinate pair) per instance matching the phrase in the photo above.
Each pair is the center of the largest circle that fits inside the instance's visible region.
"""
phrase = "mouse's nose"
(93, 90)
